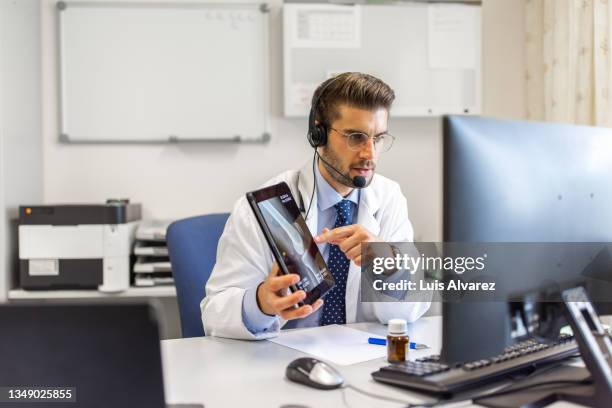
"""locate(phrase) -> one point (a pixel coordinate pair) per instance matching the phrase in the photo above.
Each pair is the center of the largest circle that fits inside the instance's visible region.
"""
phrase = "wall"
(20, 138)
(180, 180)
(503, 59)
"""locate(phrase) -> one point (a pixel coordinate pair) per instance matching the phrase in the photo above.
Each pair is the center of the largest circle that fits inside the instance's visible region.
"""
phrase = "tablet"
(290, 240)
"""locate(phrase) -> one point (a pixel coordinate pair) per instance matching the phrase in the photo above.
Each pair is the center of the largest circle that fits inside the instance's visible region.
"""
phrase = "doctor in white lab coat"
(243, 299)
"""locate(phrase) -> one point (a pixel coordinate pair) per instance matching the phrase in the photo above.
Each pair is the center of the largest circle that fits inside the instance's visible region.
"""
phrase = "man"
(348, 130)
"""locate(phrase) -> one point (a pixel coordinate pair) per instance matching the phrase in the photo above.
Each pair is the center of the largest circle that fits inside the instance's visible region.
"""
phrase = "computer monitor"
(96, 355)
(519, 181)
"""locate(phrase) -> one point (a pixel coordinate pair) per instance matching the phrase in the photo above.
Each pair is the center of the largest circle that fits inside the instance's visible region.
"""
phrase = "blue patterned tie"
(334, 308)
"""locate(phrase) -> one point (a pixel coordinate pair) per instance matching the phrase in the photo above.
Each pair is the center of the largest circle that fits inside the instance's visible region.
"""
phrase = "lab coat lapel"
(368, 206)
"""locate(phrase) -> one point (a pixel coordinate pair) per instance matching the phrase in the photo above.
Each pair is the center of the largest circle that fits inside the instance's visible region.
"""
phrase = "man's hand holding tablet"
(273, 299)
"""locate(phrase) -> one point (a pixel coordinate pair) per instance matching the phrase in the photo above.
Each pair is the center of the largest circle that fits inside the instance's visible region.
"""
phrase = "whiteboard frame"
(397, 111)
(64, 137)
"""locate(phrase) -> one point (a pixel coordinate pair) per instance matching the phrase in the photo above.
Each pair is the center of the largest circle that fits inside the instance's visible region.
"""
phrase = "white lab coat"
(244, 259)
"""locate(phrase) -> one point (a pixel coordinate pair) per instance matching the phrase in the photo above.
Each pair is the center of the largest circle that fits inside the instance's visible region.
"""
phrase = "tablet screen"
(294, 241)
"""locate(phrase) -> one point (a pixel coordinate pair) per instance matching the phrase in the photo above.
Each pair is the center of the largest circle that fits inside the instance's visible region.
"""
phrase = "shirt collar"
(327, 196)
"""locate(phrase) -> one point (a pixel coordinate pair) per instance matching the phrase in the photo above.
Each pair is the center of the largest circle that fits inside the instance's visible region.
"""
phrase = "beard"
(332, 159)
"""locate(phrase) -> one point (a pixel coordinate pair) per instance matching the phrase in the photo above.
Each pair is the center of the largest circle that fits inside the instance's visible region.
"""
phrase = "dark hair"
(355, 89)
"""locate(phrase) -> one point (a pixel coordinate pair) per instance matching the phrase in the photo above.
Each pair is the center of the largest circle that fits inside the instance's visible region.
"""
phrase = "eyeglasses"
(357, 140)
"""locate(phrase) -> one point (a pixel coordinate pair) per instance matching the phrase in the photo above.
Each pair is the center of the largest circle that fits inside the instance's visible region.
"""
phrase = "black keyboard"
(430, 375)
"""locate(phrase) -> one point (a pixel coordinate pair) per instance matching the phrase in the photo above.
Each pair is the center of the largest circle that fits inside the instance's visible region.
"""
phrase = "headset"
(317, 137)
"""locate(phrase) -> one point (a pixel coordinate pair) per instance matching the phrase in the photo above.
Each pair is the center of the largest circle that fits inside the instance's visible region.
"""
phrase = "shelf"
(132, 292)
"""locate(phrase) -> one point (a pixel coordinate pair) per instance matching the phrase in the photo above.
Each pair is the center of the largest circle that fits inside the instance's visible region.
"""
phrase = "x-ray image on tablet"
(290, 240)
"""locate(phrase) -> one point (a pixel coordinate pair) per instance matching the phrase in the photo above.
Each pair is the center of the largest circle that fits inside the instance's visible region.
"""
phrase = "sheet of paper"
(325, 26)
(301, 94)
(452, 36)
(335, 344)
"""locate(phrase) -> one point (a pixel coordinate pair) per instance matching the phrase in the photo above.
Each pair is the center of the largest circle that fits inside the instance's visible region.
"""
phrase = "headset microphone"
(357, 181)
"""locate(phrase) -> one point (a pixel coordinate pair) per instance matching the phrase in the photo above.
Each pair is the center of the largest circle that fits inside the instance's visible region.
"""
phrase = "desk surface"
(131, 292)
(221, 372)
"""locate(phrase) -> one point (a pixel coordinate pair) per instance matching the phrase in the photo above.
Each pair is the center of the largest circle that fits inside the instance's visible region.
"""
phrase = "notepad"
(335, 344)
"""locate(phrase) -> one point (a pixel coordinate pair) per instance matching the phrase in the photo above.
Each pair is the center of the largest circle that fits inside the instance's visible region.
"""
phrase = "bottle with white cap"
(398, 342)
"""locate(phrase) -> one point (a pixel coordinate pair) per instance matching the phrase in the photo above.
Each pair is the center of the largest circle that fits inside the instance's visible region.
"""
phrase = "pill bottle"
(398, 342)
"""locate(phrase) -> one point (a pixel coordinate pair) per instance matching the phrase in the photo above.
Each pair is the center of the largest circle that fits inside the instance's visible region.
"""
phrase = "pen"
(383, 342)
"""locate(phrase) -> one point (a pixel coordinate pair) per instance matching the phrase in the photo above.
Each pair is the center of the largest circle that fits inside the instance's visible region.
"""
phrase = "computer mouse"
(314, 373)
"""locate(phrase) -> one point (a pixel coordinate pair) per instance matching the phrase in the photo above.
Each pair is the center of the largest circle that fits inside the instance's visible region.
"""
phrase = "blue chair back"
(192, 246)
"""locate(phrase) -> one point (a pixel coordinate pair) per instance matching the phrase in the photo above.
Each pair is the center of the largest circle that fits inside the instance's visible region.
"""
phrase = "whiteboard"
(144, 72)
(430, 54)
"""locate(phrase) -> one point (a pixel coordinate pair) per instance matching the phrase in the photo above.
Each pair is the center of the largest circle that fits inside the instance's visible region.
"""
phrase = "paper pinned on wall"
(452, 36)
(326, 26)
(301, 94)
(335, 344)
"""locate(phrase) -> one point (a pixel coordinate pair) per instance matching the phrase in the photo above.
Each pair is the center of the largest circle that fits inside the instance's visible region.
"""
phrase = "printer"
(77, 246)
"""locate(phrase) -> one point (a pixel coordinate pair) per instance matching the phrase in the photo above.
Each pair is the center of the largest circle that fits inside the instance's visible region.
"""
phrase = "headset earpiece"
(317, 133)
(317, 136)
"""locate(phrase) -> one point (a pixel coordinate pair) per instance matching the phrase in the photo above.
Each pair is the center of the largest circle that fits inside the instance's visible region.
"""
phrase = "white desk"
(221, 372)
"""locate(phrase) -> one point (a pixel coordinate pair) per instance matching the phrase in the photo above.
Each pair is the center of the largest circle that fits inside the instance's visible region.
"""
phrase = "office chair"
(192, 246)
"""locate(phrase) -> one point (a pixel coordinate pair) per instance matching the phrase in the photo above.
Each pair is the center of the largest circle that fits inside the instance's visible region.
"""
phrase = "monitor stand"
(596, 351)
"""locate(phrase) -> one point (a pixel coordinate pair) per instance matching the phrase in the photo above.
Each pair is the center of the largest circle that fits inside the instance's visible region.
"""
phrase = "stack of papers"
(152, 267)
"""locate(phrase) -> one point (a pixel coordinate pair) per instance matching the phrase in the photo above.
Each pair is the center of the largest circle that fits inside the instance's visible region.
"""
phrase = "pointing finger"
(332, 236)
